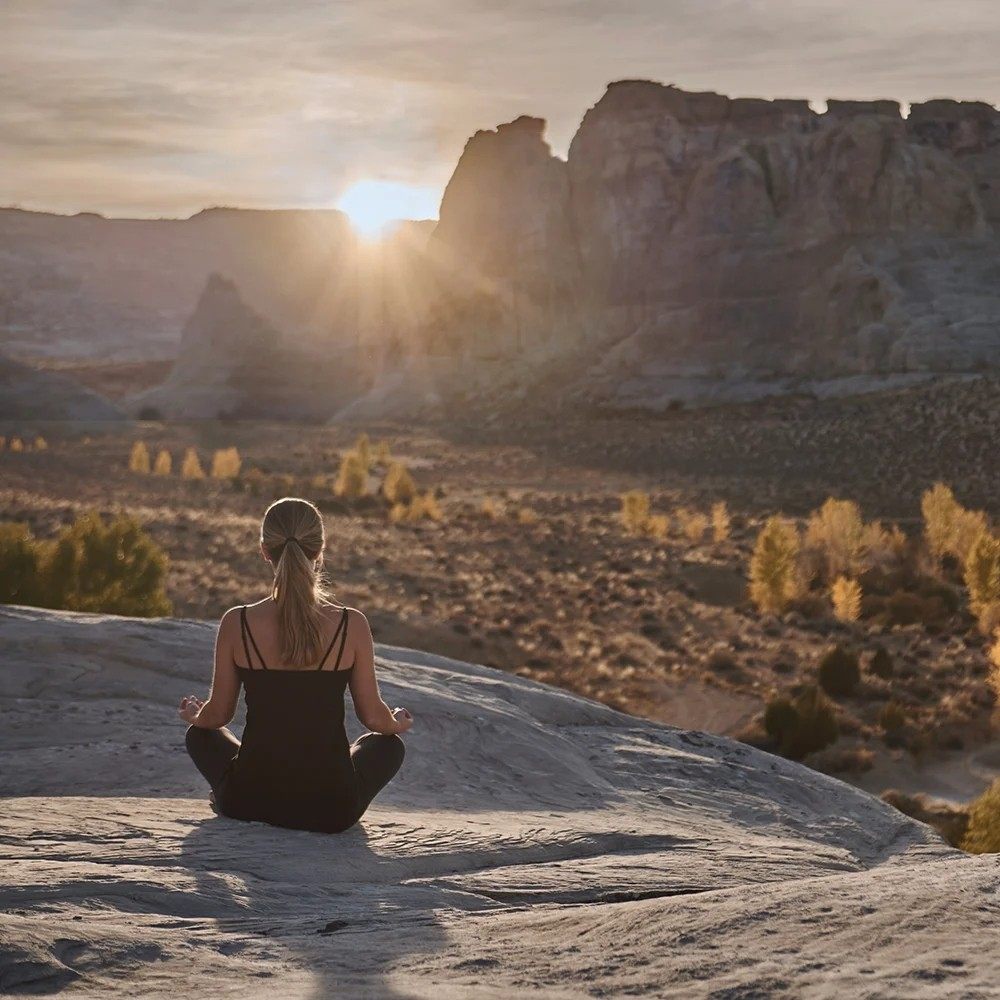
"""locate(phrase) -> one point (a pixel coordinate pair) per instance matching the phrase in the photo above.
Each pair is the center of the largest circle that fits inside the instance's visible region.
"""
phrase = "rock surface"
(535, 843)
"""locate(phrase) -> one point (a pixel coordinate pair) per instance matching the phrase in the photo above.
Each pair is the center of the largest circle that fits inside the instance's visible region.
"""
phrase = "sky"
(163, 107)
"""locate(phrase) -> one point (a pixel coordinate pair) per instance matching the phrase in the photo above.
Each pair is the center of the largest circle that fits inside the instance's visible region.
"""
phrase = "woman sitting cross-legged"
(294, 653)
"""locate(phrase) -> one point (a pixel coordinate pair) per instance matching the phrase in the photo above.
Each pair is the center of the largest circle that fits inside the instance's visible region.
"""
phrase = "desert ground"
(529, 568)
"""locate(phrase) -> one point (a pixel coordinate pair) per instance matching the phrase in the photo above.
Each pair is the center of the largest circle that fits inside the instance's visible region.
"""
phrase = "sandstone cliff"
(692, 239)
(534, 844)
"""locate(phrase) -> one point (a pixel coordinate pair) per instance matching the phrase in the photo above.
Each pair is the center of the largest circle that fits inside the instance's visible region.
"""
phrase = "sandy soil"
(535, 844)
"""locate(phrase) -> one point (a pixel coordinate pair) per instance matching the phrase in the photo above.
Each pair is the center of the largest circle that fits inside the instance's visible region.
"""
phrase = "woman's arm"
(218, 711)
(372, 711)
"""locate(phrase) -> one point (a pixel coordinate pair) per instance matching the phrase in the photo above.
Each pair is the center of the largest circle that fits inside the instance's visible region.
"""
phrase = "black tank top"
(294, 765)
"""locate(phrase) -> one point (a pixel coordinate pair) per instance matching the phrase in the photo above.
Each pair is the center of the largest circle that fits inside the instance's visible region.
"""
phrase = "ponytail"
(292, 535)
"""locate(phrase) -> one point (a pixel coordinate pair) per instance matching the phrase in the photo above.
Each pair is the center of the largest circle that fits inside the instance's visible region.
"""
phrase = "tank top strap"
(245, 630)
(339, 633)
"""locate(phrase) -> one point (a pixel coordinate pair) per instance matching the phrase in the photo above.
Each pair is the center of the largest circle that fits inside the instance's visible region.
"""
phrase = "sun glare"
(372, 206)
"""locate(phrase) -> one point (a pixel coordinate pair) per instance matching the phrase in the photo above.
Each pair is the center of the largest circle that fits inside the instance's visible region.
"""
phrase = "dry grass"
(138, 460)
(226, 463)
(721, 522)
(398, 486)
(352, 477)
(191, 466)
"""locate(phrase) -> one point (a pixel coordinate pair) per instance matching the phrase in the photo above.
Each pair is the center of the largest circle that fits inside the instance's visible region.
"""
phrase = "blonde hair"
(292, 536)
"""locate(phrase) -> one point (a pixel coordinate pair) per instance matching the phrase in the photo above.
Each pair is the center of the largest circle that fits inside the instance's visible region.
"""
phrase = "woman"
(294, 653)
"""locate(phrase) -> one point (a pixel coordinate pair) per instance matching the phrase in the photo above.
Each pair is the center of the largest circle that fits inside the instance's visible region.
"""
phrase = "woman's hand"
(189, 708)
(403, 720)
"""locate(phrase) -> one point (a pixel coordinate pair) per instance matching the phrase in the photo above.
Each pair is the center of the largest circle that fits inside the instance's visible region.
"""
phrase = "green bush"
(803, 725)
(92, 566)
(114, 567)
(18, 564)
(983, 833)
(839, 672)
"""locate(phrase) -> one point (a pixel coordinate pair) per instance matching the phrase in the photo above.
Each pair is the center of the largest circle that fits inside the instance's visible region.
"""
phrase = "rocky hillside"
(692, 240)
(534, 843)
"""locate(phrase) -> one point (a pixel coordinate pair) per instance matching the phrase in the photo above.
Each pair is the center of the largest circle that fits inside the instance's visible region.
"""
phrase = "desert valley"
(698, 423)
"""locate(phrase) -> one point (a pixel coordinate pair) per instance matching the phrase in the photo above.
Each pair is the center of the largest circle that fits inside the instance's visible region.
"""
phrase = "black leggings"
(376, 758)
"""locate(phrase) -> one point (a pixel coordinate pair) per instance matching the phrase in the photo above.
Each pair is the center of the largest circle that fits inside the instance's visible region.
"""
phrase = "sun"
(372, 206)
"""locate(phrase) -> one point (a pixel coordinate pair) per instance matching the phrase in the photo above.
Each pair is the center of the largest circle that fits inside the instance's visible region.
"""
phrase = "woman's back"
(294, 766)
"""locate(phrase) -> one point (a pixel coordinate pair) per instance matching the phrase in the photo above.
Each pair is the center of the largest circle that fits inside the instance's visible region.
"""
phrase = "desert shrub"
(138, 460)
(839, 672)
(634, 511)
(881, 547)
(18, 564)
(721, 521)
(892, 718)
(657, 526)
(983, 833)
(3, 442)
(191, 466)
(363, 449)
(949, 528)
(163, 464)
(398, 486)
(846, 597)
(803, 725)
(982, 578)
(16, 444)
(419, 508)
(40, 443)
(488, 508)
(113, 567)
(836, 533)
(950, 821)
(226, 463)
(352, 478)
(774, 578)
(525, 515)
(881, 664)
(692, 523)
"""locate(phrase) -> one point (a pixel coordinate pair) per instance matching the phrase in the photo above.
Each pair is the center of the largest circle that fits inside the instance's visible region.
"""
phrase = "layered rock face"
(234, 363)
(698, 237)
(534, 844)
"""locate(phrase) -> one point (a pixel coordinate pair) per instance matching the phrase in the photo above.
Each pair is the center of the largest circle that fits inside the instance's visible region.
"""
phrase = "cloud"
(163, 106)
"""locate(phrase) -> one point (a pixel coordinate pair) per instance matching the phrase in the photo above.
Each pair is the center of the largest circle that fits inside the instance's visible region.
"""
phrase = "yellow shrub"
(836, 533)
(488, 508)
(398, 485)
(657, 526)
(16, 444)
(635, 511)
(40, 443)
(721, 521)
(398, 512)
(983, 833)
(163, 464)
(352, 479)
(226, 463)
(774, 574)
(191, 466)
(363, 449)
(949, 528)
(138, 460)
(692, 523)
(525, 515)
(982, 578)
(425, 506)
(846, 596)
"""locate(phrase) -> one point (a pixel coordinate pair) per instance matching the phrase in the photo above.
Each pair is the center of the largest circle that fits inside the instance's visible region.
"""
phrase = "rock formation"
(693, 239)
(231, 362)
(534, 844)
